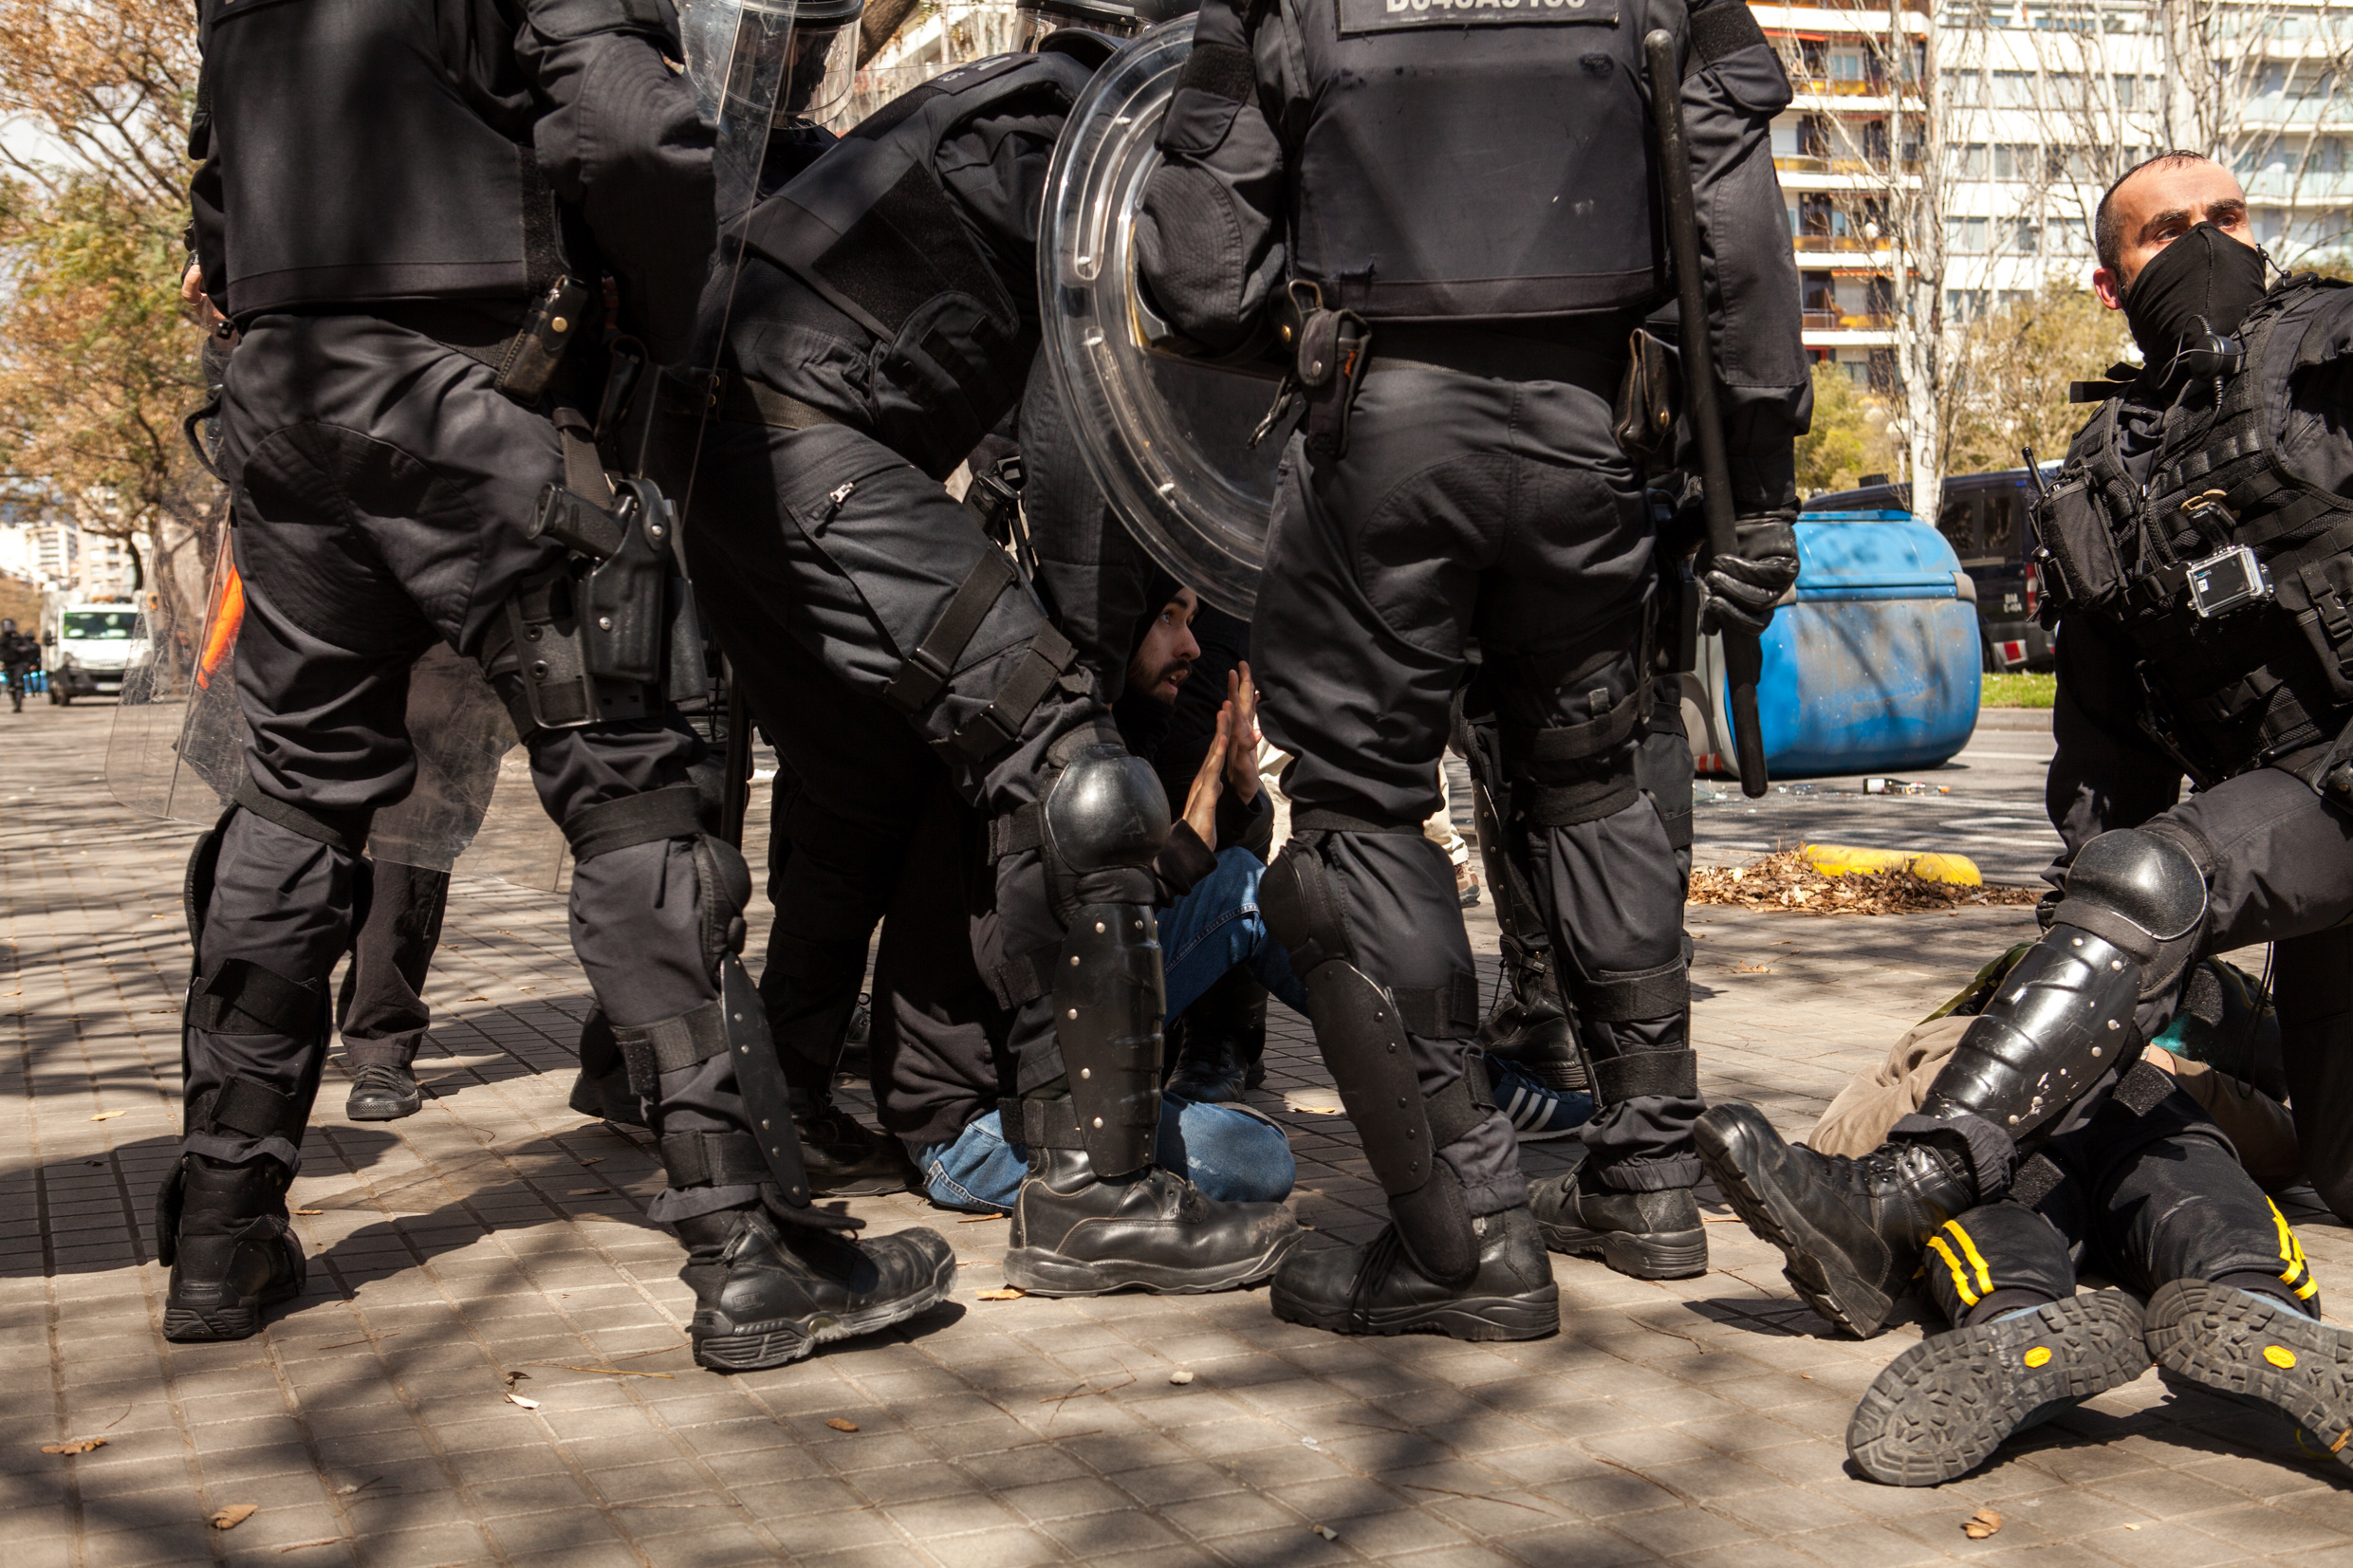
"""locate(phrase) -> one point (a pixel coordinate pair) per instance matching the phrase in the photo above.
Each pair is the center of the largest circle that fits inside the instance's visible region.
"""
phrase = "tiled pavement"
(496, 1242)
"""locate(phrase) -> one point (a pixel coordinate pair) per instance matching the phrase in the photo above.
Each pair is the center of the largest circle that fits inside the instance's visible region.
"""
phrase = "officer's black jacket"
(369, 152)
(962, 305)
(16, 648)
(2108, 772)
(1417, 167)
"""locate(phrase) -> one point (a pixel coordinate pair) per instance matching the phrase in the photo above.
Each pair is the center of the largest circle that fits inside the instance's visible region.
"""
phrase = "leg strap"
(1673, 1075)
(926, 672)
(672, 812)
(239, 997)
(1632, 996)
(998, 725)
(248, 1106)
(649, 1050)
(1040, 1123)
(713, 1159)
(344, 830)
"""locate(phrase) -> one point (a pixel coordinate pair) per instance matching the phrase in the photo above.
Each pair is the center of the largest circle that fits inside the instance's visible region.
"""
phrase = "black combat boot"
(1852, 1228)
(1528, 1026)
(2252, 1345)
(1076, 1234)
(1224, 1043)
(1377, 1288)
(222, 1229)
(385, 1092)
(1644, 1235)
(766, 1292)
(845, 1157)
(1943, 1406)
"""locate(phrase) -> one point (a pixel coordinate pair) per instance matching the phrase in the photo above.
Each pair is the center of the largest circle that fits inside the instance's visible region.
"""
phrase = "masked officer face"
(2161, 204)
(1163, 660)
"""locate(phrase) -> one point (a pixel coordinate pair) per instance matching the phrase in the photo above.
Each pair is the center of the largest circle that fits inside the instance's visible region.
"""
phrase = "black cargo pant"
(1474, 507)
(380, 1011)
(380, 489)
(824, 559)
(2143, 1199)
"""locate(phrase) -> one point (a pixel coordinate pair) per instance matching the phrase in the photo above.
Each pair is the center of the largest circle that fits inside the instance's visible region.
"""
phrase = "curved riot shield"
(177, 749)
(1167, 438)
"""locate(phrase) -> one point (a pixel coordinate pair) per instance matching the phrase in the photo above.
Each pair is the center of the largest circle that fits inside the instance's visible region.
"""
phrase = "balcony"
(1840, 320)
(1837, 242)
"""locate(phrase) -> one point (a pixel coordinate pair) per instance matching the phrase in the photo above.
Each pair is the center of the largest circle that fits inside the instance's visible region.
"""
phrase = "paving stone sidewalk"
(496, 1242)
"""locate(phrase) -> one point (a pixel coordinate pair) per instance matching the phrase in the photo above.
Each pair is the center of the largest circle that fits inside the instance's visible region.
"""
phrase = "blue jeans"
(1232, 1152)
(1216, 927)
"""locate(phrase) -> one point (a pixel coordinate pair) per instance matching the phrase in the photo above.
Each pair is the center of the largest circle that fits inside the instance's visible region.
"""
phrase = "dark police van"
(1989, 520)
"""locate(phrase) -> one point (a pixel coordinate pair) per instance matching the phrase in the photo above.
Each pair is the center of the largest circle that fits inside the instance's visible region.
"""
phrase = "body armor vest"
(1474, 159)
(870, 228)
(2231, 686)
(375, 150)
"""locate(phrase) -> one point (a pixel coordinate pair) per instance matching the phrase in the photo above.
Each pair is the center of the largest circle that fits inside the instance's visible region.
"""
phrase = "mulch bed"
(1784, 882)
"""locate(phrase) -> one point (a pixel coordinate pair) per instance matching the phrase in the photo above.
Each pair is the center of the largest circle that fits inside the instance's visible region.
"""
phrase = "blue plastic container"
(1875, 669)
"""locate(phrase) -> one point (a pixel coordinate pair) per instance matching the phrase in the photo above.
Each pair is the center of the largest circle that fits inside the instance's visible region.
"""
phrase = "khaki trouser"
(1858, 1119)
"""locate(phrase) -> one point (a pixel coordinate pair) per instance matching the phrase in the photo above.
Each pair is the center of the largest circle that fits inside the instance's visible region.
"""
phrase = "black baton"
(1744, 656)
(738, 797)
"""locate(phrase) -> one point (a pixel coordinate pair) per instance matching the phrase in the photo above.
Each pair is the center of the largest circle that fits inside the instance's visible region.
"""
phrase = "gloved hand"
(1736, 592)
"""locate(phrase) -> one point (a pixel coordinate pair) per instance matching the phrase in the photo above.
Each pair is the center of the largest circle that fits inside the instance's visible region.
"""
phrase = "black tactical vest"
(375, 150)
(2229, 690)
(870, 228)
(1475, 158)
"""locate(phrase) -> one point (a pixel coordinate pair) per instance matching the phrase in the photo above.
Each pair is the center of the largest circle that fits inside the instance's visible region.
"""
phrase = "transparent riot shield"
(1166, 436)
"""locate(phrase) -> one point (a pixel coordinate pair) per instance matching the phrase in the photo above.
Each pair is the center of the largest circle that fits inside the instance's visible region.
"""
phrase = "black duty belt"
(1505, 357)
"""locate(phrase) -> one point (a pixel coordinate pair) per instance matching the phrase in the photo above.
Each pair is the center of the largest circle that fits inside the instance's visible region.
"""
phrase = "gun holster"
(1331, 351)
(1649, 399)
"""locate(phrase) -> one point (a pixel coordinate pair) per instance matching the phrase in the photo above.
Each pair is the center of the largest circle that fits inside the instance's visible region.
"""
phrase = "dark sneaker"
(1375, 1289)
(1943, 1406)
(1536, 1110)
(1076, 1235)
(766, 1292)
(2238, 1342)
(222, 1229)
(383, 1094)
(1644, 1235)
(848, 1159)
(1852, 1228)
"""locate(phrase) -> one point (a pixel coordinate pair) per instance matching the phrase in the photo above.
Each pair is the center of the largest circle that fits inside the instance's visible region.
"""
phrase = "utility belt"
(523, 347)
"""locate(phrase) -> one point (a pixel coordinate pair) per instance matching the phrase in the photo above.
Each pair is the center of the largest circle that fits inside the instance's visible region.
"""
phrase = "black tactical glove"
(1736, 592)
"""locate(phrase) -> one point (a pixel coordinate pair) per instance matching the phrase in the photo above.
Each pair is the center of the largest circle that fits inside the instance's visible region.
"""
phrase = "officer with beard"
(1452, 213)
(2197, 548)
(884, 322)
(415, 218)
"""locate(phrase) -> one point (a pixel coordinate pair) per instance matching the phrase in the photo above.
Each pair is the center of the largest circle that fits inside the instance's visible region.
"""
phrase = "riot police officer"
(407, 434)
(2197, 548)
(1453, 210)
(883, 322)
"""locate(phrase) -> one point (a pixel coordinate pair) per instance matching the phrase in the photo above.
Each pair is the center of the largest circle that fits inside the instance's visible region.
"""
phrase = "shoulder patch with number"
(1363, 16)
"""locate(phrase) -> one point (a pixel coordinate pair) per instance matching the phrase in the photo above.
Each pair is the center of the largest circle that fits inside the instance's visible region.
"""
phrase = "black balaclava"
(2203, 274)
(1144, 720)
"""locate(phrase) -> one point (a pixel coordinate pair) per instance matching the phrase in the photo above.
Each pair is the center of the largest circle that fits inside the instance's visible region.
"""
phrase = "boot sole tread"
(1038, 1271)
(2217, 1338)
(1639, 1254)
(185, 1326)
(1864, 1317)
(1478, 1319)
(1945, 1406)
(757, 1347)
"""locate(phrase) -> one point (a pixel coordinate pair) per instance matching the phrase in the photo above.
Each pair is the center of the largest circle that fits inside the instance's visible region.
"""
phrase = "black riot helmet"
(825, 59)
(815, 38)
(1116, 18)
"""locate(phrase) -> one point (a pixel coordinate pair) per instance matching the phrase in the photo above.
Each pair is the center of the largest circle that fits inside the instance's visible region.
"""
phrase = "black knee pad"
(2143, 889)
(1101, 825)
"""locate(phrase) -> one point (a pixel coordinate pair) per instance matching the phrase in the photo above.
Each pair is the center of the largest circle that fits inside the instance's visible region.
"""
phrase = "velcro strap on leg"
(1670, 1075)
(713, 1159)
(1026, 976)
(239, 997)
(248, 1106)
(1611, 724)
(2143, 1088)
(1632, 996)
(2036, 1180)
(1319, 820)
(996, 727)
(1018, 830)
(344, 830)
(1440, 1012)
(1566, 806)
(926, 672)
(672, 812)
(1454, 1110)
(1040, 1123)
(649, 1050)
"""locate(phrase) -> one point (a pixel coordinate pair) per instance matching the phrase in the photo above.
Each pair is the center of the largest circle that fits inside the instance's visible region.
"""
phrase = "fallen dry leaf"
(310, 1212)
(1982, 1523)
(514, 1398)
(841, 1426)
(1181, 1377)
(1327, 1531)
(304, 1545)
(109, 1115)
(586, 1191)
(1786, 882)
(1006, 1294)
(1746, 968)
(80, 1444)
(235, 1514)
(976, 1219)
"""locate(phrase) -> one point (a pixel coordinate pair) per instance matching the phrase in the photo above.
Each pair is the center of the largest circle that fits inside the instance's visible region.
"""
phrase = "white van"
(85, 646)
